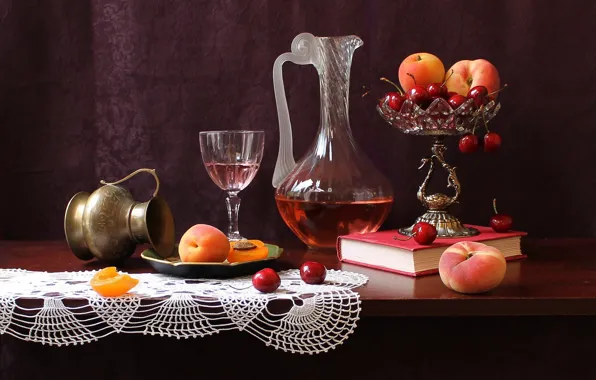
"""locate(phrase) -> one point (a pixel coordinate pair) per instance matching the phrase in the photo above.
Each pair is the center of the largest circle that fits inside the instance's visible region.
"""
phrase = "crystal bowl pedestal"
(438, 121)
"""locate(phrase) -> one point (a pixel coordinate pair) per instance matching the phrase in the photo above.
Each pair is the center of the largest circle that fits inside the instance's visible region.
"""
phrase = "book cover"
(409, 250)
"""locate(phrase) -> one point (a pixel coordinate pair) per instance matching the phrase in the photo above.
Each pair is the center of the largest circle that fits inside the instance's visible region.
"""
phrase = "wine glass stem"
(233, 203)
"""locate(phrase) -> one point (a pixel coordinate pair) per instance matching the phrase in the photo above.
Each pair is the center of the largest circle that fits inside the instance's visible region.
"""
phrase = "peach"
(203, 243)
(425, 67)
(471, 267)
(468, 74)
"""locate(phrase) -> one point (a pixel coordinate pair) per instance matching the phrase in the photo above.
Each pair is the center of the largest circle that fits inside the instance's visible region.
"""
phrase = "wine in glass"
(232, 159)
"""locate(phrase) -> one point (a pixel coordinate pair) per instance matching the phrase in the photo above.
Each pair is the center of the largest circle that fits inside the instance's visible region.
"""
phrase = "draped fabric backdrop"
(94, 89)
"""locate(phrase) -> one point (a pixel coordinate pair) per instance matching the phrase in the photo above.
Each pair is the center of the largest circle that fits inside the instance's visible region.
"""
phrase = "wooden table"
(539, 323)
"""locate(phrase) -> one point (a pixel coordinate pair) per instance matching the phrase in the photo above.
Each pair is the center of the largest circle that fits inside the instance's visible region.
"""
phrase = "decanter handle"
(303, 53)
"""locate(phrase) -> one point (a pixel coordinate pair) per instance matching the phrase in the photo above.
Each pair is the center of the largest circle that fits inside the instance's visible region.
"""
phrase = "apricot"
(426, 68)
(109, 283)
(203, 243)
(258, 252)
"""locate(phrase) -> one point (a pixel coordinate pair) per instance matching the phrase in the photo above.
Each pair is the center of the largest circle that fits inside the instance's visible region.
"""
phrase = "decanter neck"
(333, 66)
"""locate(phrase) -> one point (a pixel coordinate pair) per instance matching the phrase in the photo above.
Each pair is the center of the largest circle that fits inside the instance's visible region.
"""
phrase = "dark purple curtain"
(95, 89)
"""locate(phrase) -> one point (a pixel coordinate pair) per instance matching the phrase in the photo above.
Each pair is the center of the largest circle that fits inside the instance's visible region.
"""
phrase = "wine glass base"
(235, 237)
(447, 225)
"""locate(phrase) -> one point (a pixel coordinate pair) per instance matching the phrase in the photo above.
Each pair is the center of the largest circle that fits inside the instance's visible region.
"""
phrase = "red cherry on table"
(500, 222)
(468, 143)
(479, 94)
(313, 272)
(394, 100)
(266, 280)
(424, 233)
(418, 95)
(456, 100)
(436, 89)
(492, 142)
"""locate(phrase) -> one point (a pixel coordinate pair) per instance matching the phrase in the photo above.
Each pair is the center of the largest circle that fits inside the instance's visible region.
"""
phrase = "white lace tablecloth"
(318, 317)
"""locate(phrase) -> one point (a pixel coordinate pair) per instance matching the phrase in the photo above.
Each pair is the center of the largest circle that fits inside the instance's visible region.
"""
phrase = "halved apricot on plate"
(247, 250)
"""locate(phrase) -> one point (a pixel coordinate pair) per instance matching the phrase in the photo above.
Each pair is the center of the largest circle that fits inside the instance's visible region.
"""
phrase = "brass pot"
(108, 224)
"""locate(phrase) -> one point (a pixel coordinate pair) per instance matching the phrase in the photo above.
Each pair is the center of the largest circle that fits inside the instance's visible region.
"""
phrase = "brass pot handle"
(150, 171)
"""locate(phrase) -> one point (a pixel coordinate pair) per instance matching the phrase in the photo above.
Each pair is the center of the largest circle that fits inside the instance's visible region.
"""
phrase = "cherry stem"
(409, 237)
(495, 205)
(447, 78)
(484, 120)
(401, 92)
(412, 76)
(499, 90)
(474, 127)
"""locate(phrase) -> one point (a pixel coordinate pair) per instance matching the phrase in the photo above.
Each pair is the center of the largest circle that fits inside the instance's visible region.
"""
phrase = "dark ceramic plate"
(173, 266)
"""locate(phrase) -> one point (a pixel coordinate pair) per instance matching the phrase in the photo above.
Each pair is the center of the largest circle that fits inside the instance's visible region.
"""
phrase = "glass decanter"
(334, 189)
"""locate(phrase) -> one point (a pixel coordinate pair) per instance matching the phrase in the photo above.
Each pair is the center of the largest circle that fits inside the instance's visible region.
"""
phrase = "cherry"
(313, 272)
(456, 100)
(492, 142)
(500, 222)
(418, 95)
(436, 89)
(479, 94)
(424, 233)
(394, 100)
(468, 143)
(266, 280)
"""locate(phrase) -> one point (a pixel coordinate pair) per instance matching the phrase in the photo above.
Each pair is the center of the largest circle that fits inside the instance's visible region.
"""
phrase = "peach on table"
(472, 267)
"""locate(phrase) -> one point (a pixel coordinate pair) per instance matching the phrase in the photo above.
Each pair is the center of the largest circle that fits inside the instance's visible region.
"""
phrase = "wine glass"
(232, 159)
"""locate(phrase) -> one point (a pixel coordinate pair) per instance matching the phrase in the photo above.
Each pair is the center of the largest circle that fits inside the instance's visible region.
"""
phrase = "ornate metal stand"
(436, 204)
(439, 120)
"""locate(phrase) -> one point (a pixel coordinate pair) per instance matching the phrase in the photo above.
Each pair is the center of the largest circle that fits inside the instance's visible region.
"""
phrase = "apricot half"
(238, 255)
(109, 283)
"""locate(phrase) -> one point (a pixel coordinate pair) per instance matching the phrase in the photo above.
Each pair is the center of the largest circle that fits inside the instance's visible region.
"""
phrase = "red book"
(379, 250)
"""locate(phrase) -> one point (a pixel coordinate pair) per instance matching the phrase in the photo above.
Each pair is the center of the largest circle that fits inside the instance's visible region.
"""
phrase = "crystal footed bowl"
(438, 119)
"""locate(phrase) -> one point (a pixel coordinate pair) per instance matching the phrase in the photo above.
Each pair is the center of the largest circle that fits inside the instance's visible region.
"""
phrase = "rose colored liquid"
(318, 224)
(231, 177)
